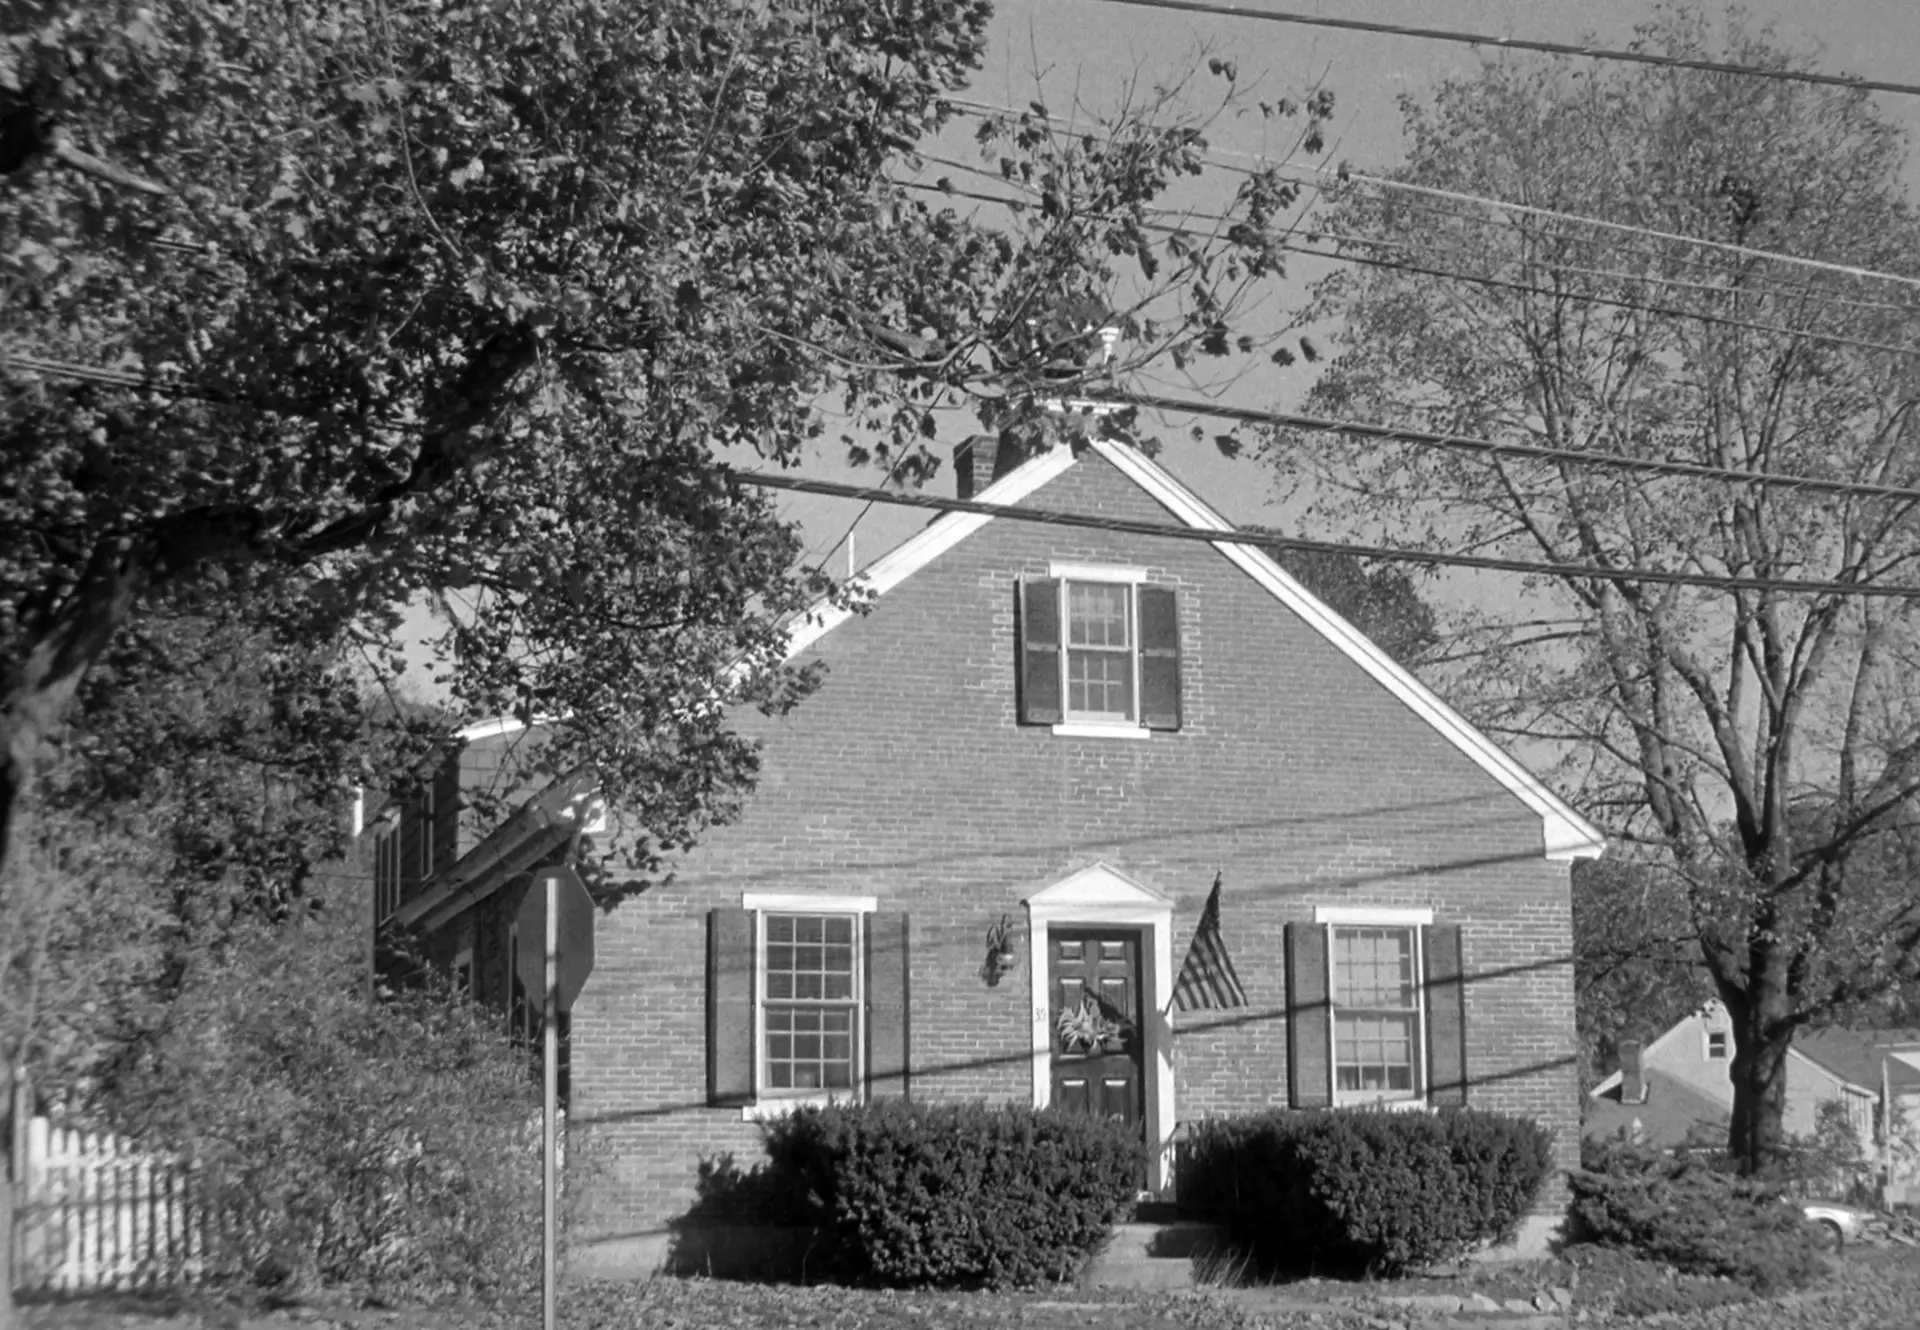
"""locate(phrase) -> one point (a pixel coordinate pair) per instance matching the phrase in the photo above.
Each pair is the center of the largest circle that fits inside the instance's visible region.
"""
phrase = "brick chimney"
(981, 460)
(1633, 1078)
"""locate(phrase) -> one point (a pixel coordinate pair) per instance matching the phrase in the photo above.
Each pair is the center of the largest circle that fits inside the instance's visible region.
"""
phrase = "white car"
(1837, 1222)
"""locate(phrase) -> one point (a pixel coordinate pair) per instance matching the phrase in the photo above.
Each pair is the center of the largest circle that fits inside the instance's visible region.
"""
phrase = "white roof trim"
(939, 536)
(1566, 834)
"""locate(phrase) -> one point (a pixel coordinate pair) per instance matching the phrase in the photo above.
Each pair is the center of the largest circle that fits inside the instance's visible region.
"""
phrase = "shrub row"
(1696, 1218)
(1373, 1190)
(954, 1195)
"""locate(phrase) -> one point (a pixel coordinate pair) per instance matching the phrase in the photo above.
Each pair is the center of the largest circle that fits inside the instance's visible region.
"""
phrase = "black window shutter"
(889, 1019)
(1446, 1016)
(730, 1051)
(1309, 1018)
(1040, 651)
(1159, 658)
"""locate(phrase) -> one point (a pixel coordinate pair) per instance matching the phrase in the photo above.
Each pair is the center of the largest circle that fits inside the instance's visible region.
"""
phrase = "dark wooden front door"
(1093, 981)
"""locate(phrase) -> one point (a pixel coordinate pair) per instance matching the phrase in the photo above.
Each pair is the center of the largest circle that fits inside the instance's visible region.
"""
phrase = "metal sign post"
(550, 1033)
(555, 927)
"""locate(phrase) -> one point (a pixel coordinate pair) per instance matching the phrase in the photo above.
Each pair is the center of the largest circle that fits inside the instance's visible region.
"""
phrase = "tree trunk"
(1762, 1035)
(63, 645)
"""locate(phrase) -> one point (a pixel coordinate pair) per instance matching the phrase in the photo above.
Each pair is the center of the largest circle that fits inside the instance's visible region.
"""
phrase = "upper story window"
(426, 832)
(386, 870)
(1099, 651)
(1717, 1047)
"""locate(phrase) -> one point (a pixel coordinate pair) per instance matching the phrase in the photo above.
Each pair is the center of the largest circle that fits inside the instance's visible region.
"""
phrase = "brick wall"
(906, 777)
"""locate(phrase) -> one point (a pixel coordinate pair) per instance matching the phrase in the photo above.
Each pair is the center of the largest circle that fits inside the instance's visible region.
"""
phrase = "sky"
(1092, 48)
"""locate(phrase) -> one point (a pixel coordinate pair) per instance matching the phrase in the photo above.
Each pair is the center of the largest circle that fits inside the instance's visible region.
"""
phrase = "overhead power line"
(1261, 538)
(1326, 176)
(1221, 411)
(1800, 293)
(1584, 50)
(1466, 443)
(1502, 283)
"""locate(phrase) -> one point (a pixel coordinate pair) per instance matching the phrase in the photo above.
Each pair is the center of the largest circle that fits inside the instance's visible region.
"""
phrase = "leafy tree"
(1381, 602)
(314, 306)
(1636, 966)
(195, 790)
(321, 304)
(1761, 741)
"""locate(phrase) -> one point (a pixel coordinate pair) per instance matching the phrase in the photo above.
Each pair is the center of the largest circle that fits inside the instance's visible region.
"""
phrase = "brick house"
(977, 857)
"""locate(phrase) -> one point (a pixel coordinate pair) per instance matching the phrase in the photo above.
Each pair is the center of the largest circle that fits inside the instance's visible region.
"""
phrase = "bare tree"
(1762, 743)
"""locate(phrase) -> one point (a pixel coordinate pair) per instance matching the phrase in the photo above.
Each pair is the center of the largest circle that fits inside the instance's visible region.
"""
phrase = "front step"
(1155, 1255)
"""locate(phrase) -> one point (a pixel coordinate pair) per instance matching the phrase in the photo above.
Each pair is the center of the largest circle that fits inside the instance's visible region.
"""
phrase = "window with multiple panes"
(386, 870)
(1376, 1008)
(806, 999)
(1099, 651)
(810, 1011)
(1717, 1045)
(1099, 647)
(1376, 1013)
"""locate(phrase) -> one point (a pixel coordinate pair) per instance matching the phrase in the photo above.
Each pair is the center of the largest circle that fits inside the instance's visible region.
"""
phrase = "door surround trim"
(1098, 897)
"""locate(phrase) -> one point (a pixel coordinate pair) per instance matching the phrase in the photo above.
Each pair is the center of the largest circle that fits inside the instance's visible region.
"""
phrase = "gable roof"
(1565, 834)
(1856, 1056)
(1670, 1114)
(1850, 1056)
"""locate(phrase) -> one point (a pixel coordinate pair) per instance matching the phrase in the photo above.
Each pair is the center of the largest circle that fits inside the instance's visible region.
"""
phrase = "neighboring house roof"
(1673, 1109)
(1855, 1056)
(1610, 1084)
(1850, 1056)
(1566, 834)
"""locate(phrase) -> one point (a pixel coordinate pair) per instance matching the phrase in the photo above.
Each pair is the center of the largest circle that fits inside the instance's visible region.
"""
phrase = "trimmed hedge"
(955, 1194)
(1694, 1217)
(1379, 1191)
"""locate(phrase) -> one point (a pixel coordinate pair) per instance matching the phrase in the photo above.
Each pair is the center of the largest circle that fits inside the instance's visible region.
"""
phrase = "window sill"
(772, 1110)
(1092, 730)
(1378, 1104)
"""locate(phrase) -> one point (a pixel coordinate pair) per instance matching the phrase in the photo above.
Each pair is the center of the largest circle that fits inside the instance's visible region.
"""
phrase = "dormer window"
(1099, 652)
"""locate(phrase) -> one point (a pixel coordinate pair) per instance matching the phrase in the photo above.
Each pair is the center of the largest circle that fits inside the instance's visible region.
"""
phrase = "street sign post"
(554, 958)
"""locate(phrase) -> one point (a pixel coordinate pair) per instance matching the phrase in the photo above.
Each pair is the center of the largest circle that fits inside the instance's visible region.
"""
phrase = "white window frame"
(1726, 1045)
(1330, 918)
(773, 1103)
(1099, 727)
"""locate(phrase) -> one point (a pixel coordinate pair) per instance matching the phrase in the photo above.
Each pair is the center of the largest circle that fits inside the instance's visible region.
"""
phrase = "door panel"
(1098, 1042)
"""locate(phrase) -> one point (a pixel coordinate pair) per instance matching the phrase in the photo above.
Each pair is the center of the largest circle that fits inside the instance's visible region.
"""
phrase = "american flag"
(1206, 977)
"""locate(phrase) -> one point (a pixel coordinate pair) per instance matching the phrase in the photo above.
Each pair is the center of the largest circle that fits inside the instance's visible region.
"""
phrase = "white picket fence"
(99, 1213)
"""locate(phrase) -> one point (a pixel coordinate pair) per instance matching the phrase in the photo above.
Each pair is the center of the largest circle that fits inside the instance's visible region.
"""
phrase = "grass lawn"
(1871, 1289)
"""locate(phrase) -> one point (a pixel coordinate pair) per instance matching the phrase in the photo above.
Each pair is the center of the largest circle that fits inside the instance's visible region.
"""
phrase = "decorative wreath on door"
(1088, 1025)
